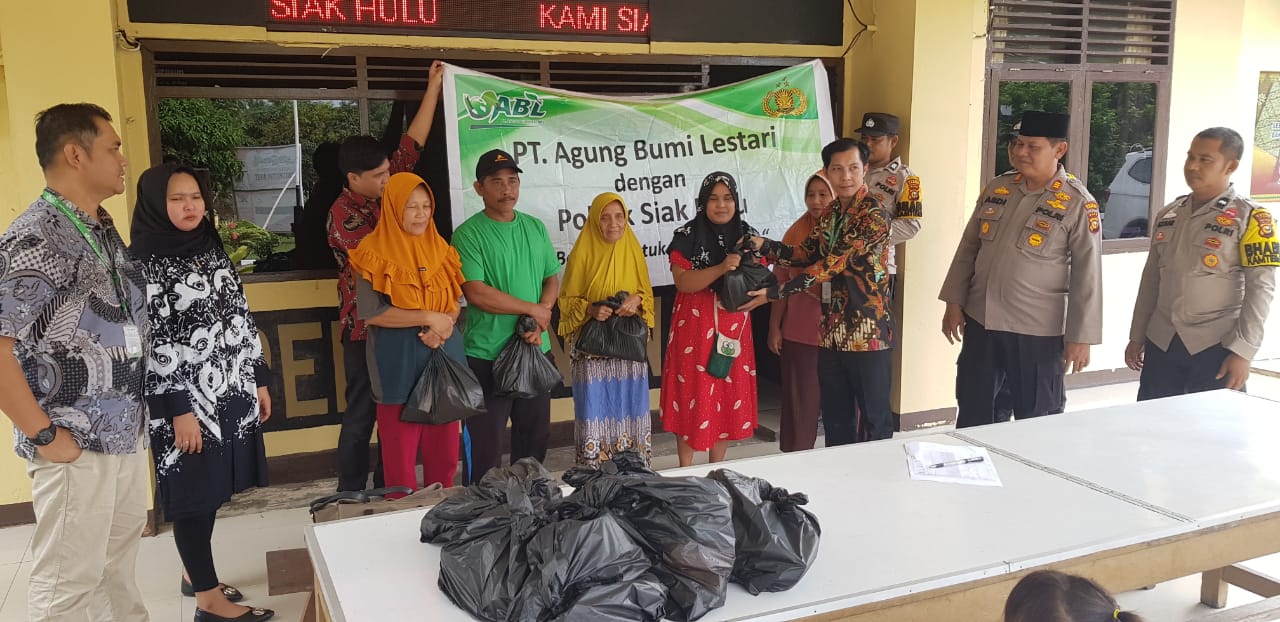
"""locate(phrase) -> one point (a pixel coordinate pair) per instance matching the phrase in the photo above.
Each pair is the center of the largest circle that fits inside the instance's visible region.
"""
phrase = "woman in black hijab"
(708, 375)
(206, 378)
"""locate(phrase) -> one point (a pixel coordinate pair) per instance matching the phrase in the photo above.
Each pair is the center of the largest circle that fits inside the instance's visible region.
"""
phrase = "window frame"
(1081, 77)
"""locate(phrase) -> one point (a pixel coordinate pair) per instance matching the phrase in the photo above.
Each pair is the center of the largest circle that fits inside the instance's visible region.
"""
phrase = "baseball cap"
(493, 161)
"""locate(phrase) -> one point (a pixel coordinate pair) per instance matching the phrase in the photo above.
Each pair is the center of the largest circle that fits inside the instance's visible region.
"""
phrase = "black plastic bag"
(587, 570)
(447, 391)
(750, 276)
(776, 539)
(684, 525)
(521, 369)
(525, 483)
(485, 566)
(642, 599)
(618, 337)
(485, 530)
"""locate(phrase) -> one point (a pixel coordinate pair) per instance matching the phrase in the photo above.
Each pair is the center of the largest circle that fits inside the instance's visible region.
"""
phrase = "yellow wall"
(924, 62)
(38, 74)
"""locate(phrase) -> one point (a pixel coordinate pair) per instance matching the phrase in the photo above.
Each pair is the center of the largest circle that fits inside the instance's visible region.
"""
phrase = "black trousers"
(482, 434)
(853, 382)
(999, 371)
(193, 536)
(357, 422)
(1178, 372)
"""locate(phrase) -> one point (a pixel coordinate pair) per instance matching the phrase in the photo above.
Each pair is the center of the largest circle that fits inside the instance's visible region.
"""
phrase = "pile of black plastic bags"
(627, 544)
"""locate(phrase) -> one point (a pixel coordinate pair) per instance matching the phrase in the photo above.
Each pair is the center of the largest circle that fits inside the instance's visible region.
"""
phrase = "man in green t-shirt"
(510, 269)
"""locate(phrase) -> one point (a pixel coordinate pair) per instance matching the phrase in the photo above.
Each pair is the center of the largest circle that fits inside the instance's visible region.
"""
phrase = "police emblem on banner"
(785, 101)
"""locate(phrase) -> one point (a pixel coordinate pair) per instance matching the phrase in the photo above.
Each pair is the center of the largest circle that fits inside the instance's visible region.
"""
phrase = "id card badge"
(826, 292)
(132, 342)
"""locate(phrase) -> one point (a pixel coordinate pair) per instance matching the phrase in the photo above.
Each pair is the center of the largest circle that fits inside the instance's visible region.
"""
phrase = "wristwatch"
(45, 436)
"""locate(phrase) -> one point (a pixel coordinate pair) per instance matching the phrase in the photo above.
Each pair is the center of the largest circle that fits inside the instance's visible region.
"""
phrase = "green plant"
(242, 237)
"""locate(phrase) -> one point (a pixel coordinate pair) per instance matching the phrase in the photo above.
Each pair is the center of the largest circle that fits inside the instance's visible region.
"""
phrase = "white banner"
(767, 132)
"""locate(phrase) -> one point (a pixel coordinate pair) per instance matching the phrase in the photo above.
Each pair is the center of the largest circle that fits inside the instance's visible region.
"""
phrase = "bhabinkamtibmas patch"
(909, 202)
(1259, 245)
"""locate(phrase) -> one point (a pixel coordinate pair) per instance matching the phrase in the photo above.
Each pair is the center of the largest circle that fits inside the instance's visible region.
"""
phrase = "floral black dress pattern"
(206, 359)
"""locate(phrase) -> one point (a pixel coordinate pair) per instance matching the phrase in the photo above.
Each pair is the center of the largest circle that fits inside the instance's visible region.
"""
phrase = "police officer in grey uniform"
(1208, 282)
(1025, 287)
(892, 183)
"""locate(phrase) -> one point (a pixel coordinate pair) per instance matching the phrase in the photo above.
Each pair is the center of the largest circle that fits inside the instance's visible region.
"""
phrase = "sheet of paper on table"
(921, 457)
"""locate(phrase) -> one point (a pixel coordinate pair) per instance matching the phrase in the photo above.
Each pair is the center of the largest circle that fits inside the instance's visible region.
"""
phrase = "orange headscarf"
(418, 272)
(801, 229)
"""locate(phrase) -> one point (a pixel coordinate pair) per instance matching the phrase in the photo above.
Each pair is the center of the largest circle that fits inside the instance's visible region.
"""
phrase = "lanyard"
(92, 240)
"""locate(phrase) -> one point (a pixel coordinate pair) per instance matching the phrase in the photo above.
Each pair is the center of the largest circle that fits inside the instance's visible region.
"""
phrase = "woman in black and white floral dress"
(206, 379)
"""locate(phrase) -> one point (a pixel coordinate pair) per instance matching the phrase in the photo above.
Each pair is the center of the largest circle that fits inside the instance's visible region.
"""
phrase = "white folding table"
(903, 550)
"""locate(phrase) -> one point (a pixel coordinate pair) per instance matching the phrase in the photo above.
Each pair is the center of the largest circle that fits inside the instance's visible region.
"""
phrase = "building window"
(1107, 64)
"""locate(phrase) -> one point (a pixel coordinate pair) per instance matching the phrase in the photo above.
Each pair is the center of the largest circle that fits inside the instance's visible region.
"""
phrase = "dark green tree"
(204, 133)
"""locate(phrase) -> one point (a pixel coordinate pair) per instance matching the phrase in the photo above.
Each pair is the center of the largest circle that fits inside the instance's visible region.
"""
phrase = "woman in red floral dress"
(705, 412)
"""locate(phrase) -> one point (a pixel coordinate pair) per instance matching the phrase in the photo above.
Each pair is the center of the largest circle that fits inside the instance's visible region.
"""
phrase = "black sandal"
(231, 593)
(254, 614)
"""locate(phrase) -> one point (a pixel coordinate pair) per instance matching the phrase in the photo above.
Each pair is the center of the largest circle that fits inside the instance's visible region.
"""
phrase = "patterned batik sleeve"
(406, 156)
(30, 268)
(863, 234)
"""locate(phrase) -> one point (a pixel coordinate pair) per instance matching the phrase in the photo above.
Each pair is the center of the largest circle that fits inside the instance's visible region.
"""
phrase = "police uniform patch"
(1044, 225)
(1210, 260)
(1091, 205)
(909, 205)
(986, 228)
(1231, 212)
(1035, 240)
(1057, 185)
(1001, 190)
(1055, 204)
(1159, 236)
(1095, 223)
(1266, 225)
(1259, 246)
(1213, 243)
(989, 211)
(1062, 196)
(1225, 221)
(892, 181)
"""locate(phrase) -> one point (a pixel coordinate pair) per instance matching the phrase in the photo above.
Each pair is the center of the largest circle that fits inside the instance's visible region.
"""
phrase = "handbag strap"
(715, 315)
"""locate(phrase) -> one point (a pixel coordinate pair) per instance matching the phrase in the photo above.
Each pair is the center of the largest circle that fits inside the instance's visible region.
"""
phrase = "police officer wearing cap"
(1025, 287)
(892, 183)
(1208, 282)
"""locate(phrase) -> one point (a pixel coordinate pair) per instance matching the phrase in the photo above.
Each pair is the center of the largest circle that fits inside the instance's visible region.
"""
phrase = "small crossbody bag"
(725, 349)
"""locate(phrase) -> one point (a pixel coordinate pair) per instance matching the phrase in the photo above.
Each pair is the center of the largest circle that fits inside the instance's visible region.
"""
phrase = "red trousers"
(402, 442)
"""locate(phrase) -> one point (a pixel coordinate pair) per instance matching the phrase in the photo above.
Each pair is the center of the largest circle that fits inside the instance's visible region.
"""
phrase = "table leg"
(1213, 588)
(322, 608)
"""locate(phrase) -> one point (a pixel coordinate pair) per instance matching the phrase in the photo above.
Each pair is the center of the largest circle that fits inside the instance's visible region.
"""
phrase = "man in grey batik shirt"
(73, 335)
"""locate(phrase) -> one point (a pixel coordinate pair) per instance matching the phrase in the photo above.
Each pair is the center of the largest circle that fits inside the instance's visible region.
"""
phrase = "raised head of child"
(1052, 596)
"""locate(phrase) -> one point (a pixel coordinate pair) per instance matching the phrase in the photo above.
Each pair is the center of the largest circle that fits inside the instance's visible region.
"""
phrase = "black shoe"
(254, 614)
(230, 592)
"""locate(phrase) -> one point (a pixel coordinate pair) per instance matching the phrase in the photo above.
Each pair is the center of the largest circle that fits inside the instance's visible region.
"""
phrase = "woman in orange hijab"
(408, 283)
(793, 331)
(610, 396)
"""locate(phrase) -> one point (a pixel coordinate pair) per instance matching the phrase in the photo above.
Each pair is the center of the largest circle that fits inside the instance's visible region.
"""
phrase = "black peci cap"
(493, 161)
(1046, 124)
(879, 124)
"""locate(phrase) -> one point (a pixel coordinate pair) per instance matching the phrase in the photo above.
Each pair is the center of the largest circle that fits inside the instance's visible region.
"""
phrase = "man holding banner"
(846, 253)
(509, 268)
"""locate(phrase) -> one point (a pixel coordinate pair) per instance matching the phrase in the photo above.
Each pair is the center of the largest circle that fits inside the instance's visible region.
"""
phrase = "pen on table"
(955, 462)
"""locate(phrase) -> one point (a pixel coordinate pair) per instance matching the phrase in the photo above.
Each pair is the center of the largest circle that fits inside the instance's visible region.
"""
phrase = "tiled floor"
(272, 519)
